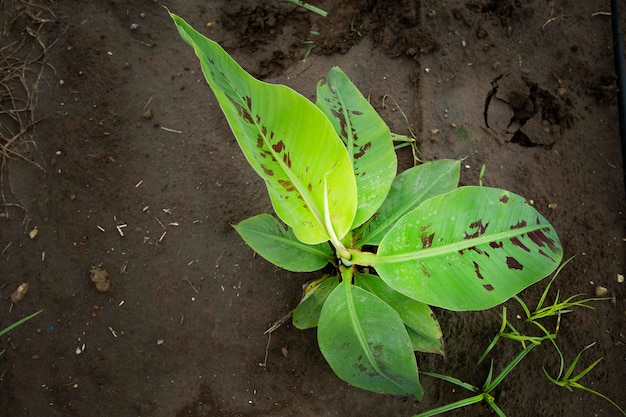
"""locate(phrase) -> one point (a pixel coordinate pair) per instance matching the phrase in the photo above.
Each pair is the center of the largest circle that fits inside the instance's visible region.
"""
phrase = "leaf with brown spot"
(510, 248)
(288, 141)
(366, 137)
(366, 343)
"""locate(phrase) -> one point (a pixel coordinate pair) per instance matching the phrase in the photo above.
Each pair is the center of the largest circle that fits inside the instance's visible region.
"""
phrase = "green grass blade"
(490, 387)
(599, 394)
(452, 380)
(19, 322)
(452, 406)
(489, 399)
(309, 7)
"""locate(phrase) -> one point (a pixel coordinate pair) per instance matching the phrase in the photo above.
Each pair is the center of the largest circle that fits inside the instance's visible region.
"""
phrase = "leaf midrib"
(307, 197)
(358, 330)
(454, 247)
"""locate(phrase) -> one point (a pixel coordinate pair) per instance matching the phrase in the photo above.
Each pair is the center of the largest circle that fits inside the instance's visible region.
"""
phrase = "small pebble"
(601, 291)
(19, 294)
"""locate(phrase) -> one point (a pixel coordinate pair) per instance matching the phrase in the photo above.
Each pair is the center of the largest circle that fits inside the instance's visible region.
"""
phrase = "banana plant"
(397, 244)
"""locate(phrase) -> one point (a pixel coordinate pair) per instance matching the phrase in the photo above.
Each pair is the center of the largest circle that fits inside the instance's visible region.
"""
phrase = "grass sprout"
(17, 323)
(569, 382)
(565, 377)
(483, 393)
(309, 7)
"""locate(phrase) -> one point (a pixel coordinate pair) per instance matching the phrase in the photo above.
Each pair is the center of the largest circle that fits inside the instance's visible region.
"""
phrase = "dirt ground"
(140, 174)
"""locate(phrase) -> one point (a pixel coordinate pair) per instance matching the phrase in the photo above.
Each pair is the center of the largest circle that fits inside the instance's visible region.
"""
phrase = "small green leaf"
(469, 249)
(410, 189)
(365, 342)
(268, 237)
(422, 326)
(307, 314)
(287, 140)
(366, 137)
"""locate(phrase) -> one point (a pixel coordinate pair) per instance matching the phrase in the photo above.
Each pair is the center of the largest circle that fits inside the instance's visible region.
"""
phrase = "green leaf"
(287, 140)
(410, 189)
(268, 237)
(422, 326)
(307, 313)
(366, 137)
(365, 342)
(469, 249)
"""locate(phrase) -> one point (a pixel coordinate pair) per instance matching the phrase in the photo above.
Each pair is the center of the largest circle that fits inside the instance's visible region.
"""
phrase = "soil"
(141, 180)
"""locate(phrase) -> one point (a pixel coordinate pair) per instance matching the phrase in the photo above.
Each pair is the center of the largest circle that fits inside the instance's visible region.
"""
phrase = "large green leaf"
(469, 249)
(365, 342)
(366, 137)
(287, 140)
(410, 189)
(307, 313)
(268, 237)
(423, 328)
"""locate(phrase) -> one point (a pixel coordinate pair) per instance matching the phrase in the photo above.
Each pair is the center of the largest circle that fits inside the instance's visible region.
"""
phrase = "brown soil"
(142, 177)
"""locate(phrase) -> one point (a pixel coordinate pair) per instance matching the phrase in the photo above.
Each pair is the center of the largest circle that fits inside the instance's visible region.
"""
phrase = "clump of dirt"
(396, 28)
(100, 277)
(535, 117)
(278, 34)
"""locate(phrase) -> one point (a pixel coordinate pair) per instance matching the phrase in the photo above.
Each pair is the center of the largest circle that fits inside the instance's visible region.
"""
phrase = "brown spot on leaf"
(504, 199)
(288, 185)
(519, 225)
(246, 115)
(278, 147)
(287, 159)
(342, 122)
(516, 242)
(540, 239)
(541, 252)
(474, 249)
(480, 229)
(488, 287)
(477, 270)
(425, 271)
(512, 263)
(362, 150)
(496, 245)
(427, 240)
(259, 141)
(267, 170)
